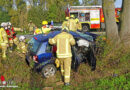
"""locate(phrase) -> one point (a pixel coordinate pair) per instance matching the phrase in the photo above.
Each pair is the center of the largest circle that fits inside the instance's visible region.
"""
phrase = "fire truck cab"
(91, 17)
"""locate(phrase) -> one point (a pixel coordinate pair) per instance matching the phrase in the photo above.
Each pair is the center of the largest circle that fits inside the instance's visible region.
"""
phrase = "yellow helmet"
(77, 20)
(44, 22)
(72, 16)
(67, 18)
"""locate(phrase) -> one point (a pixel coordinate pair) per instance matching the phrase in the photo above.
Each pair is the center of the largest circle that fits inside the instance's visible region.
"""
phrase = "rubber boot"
(67, 84)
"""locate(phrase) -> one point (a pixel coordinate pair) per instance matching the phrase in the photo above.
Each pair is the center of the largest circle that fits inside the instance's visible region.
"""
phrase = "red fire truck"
(91, 17)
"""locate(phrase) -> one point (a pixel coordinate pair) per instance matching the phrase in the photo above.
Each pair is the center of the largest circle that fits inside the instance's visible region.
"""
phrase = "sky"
(118, 3)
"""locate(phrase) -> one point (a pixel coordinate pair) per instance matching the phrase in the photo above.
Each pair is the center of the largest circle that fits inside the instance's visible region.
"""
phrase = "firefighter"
(3, 41)
(31, 27)
(63, 41)
(22, 44)
(45, 29)
(10, 40)
(72, 25)
(37, 31)
(79, 25)
(64, 24)
(15, 39)
(11, 36)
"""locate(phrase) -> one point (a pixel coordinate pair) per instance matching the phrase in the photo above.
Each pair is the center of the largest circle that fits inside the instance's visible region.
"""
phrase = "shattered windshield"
(33, 45)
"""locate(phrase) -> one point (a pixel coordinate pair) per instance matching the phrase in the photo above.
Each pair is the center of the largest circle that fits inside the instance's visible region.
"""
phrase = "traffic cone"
(3, 80)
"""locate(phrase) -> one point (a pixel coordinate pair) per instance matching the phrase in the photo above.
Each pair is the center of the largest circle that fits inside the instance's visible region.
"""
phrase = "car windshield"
(33, 45)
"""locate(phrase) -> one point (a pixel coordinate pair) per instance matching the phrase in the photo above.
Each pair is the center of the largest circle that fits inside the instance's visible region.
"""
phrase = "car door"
(45, 52)
(75, 61)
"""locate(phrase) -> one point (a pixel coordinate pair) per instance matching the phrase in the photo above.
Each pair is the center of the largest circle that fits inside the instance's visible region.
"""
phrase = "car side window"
(49, 48)
(42, 48)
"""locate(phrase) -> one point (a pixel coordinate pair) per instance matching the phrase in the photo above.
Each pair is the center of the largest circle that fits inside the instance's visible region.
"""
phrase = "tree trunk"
(110, 22)
(125, 23)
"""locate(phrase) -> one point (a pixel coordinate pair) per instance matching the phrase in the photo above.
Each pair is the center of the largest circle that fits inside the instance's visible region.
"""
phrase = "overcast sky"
(118, 3)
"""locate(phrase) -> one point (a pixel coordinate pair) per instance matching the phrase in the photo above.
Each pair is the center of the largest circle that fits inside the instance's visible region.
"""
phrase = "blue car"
(43, 54)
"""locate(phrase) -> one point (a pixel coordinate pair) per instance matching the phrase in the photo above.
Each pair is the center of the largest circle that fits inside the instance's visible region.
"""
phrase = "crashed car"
(44, 55)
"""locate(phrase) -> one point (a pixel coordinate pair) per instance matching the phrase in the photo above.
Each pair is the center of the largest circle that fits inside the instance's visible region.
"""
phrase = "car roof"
(44, 38)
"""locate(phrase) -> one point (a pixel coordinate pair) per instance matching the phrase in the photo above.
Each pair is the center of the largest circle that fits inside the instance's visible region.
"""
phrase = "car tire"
(49, 70)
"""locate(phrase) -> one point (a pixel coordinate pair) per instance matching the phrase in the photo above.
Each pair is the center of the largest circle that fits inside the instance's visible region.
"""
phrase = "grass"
(23, 32)
(112, 72)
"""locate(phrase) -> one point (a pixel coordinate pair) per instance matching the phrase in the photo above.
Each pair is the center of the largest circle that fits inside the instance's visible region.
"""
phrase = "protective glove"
(57, 62)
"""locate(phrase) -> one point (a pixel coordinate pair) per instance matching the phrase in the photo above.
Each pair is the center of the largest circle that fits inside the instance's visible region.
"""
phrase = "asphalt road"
(27, 36)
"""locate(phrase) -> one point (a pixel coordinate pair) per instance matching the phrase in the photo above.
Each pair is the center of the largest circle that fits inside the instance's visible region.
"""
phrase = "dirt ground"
(16, 70)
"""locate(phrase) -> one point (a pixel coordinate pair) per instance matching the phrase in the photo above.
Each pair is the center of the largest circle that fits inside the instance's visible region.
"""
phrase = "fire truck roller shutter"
(95, 19)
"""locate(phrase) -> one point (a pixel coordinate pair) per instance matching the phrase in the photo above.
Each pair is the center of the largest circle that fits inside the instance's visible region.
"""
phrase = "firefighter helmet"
(44, 22)
(21, 38)
(72, 16)
(67, 18)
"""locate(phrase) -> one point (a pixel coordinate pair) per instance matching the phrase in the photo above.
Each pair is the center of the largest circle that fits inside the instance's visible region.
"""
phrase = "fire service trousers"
(65, 64)
(3, 47)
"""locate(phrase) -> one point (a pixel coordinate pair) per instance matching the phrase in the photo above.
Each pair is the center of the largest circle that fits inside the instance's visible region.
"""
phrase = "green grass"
(23, 32)
(121, 82)
(112, 73)
(112, 83)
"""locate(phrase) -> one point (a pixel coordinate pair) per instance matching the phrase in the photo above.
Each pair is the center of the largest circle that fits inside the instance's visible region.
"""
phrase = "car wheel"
(49, 70)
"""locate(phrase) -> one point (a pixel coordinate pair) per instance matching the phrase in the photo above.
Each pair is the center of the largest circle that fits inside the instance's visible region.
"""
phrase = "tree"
(125, 23)
(92, 2)
(4, 17)
(110, 22)
(37, 15)
(55, 10)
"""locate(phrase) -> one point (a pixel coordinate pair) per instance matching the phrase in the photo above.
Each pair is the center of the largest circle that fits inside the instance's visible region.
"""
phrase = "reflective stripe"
(67, 76)
(57, 45)
(62, 70)
(22, 46)
(64, 56)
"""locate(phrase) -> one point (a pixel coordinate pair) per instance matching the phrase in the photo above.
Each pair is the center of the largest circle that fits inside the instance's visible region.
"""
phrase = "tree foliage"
(49, 10)
(92, 2)
(55, 10)
(4, 17)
